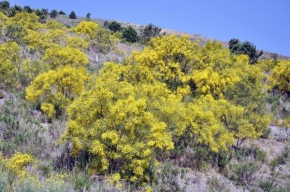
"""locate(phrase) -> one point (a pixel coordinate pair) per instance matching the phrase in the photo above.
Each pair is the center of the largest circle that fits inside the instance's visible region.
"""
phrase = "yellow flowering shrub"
(3, 20)
(77, 42)
(38, 40)
(53, 35)
(86, 27)
(30, 69)
(56, 89)
(193, 72)
(53, 24)
(62, 56)
(103, 40)
(27, 20)
(18, 162)
(113, 123)
(172, 92)
(48, 109)
(281, 76)
(9, 63)
(57, 36)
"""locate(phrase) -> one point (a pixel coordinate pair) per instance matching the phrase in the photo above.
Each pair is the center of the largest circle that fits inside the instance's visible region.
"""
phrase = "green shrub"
(41, 14)
(45, 169)
(3, 180)
(252, 152)
(61, 13)
(266, 134)
(114, 26)
(150, 31)
(4, 5)
(103, 41)
(53, 14)
(28, 9)
(268, 185)
(72, 15)
(243, 173)
(130, 35)
(223, 158)
(81, 182)
(169, 178)
(1, 95)
(247, 48)
(88, 16)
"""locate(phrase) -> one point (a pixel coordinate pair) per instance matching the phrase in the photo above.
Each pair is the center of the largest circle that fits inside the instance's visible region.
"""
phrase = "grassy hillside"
(97, 105)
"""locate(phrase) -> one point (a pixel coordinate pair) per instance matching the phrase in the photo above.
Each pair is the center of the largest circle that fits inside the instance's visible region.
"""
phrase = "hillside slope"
(82, 108)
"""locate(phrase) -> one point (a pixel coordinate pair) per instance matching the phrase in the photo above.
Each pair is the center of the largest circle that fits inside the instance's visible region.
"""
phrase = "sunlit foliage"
(86, 27)
(9, 64)
(17, 163)
(62, 56)
(281, 76)
(56, 89)
(27, 20)
(103, 40)
(114, 123)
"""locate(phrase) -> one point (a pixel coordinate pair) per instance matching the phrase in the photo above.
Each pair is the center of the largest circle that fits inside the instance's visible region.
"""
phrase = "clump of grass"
(281, 159)
(252, 152)
(217, 185)
(243, 172)
(1, 95)
(268, 185)
(170, 178)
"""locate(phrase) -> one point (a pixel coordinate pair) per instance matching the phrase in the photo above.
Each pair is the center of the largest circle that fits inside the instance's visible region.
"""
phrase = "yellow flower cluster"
(18, 162)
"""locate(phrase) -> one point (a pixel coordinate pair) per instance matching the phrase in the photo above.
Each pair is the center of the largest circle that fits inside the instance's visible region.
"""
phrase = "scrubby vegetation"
(70, 122)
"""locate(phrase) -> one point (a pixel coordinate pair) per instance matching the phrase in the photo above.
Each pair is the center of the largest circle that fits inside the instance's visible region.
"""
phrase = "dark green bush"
(11, 12)
(41, 14)
(150, 31)
(53, 14)
(61, 13)
(88, 16)
(72, 15)
(106, 23)
(266, 134)
(18, 8)
(4, 5)
(247, 48)
(114, 26)
(130, 35)
(28, 9)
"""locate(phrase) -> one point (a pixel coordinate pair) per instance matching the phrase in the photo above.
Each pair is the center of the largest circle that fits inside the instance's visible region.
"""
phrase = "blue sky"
(264, 23)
